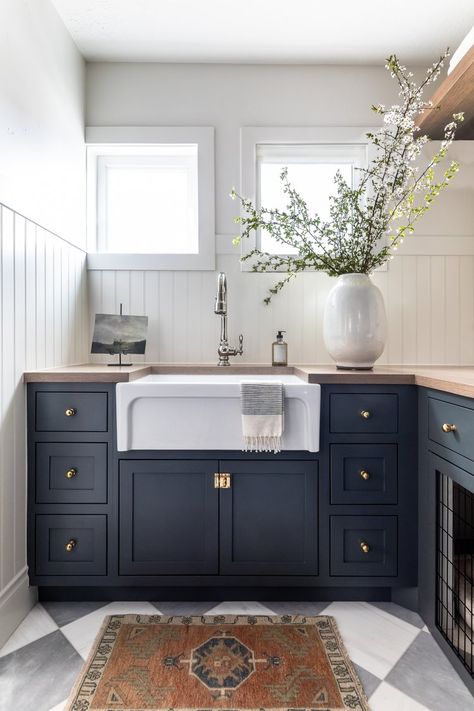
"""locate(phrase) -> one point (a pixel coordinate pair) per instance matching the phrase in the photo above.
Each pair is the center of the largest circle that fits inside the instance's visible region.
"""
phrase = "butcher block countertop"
(458, 380)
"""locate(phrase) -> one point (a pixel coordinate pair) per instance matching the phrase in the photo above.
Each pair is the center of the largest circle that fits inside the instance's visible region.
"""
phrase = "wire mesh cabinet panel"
(455, 564)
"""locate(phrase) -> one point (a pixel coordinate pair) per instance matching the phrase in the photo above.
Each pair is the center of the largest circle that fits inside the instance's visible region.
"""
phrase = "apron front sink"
(193, 412)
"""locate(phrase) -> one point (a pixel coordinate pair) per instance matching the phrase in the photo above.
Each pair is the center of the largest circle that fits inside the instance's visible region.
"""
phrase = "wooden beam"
(454, 94)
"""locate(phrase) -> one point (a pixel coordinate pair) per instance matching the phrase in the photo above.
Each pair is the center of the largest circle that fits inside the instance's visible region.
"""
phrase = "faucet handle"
(241, 344)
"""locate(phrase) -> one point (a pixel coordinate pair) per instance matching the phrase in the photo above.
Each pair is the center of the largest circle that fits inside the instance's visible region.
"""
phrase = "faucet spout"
(220, 309)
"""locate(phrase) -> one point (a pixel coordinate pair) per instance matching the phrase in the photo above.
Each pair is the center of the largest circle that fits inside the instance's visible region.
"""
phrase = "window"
(147, 198)
(150, 202)
(312, 156)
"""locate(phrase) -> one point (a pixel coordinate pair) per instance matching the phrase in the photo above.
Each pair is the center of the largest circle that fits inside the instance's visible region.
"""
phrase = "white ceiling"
(266, 31)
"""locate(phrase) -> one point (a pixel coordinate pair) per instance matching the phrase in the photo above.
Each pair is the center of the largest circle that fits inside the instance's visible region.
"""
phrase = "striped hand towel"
(262, 416)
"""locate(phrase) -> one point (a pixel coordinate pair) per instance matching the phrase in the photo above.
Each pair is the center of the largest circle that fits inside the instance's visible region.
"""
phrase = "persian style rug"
(240, 663)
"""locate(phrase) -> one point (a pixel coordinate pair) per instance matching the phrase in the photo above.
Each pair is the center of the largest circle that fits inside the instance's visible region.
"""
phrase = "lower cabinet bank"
(108, 524)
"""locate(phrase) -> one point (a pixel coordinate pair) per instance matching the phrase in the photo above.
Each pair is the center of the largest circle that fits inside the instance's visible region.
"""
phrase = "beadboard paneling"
(43, 323)
(429, 302)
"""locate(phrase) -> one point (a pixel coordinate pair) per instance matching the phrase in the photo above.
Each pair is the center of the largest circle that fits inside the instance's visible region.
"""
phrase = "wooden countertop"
(458, 380)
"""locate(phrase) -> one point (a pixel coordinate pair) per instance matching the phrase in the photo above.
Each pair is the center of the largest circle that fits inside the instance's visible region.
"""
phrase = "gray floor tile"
(369, 681)
(401, 612)
(39, 675)
(65, 612)
(184, 608)
(297, 608)
(425, 674)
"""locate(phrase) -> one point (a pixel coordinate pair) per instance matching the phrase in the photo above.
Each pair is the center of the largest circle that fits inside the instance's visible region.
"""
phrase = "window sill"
(151, 262)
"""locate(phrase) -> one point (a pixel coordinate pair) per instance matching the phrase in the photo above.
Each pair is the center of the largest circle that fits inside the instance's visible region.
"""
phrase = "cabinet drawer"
(364, 474)
(364, 545)
(84, 536)
(360, 413)
(441, 416)
(71, 473)
(71, 412)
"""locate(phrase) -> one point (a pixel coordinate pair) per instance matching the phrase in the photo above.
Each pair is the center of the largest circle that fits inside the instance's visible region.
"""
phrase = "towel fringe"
(262, 443)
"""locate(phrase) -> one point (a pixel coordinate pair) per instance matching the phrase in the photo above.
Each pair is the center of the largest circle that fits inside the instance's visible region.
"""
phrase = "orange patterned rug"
(243, 663)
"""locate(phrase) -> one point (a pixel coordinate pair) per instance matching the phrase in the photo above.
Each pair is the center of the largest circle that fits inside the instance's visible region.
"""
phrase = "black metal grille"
(455, 568)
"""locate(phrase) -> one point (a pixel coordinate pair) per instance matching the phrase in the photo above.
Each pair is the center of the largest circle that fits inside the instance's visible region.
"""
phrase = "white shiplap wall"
(429, 301)
(43, 323)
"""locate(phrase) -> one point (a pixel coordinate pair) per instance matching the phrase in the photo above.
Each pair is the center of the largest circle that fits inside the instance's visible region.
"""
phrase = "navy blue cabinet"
(168, 517)
(99, 519)
(71, 473)
(446, 531)
(70, 544)
(71, 411)
(173, 519)
(364, 474)
(364, 412)
(451, 425)
(364, 545)
(269, 518)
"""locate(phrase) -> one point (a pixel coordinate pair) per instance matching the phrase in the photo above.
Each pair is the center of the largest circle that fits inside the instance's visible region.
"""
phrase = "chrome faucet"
(220, 308)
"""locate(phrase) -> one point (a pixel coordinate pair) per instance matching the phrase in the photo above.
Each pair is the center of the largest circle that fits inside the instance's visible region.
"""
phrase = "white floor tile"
(240, 608)
(387, 698)
(82, 632)
(35, 625)
(374, 639)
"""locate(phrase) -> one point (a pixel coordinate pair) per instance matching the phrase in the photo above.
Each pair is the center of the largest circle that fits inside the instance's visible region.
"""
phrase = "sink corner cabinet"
(341, 522)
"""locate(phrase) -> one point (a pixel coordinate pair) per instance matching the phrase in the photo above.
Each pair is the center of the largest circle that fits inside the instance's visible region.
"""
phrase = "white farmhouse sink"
(203, 412)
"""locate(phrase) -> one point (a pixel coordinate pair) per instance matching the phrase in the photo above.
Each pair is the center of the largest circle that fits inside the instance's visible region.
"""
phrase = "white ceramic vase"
(354, 322)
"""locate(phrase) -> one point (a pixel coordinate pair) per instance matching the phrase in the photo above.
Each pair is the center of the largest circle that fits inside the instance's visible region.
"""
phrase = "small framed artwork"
(116, 334)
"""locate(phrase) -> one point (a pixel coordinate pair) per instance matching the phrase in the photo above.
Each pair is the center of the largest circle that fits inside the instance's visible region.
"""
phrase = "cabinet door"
(269, 518)
(168, 517)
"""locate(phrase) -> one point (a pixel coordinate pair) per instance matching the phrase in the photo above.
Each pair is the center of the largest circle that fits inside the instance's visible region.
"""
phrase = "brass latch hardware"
(70, 412)
(365, 414)
(71, 473)
(364, 474)
(70, 545)
(222, 480)
(365, 548)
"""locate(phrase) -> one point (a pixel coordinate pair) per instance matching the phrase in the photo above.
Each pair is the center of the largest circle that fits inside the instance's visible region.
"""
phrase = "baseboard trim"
(213, 594)
(16, 600)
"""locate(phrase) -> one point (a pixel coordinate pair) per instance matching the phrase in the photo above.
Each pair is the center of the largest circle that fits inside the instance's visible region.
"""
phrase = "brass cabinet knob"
(448, 428)
(70, 412)
(365, 414)
(365, 548)
(70, 545)
(364, 474)
(71, 473)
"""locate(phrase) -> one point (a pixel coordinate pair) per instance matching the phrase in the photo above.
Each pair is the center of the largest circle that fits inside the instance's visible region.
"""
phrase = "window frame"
(253, 136)
(98, 139)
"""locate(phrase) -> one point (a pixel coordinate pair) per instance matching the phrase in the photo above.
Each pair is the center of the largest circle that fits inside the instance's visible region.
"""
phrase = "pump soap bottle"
(280, 350)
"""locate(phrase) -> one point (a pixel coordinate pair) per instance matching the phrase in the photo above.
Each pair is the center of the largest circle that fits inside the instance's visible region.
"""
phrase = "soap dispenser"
(280, 350)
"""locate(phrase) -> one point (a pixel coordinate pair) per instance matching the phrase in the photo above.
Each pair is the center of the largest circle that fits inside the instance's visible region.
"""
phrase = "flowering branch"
(367, 222)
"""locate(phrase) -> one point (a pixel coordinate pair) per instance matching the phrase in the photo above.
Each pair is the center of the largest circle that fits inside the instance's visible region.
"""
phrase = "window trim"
(253, 136)
(97, 140)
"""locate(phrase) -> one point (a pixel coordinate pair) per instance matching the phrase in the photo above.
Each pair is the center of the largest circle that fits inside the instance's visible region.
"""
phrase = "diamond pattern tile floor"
(398, 662)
